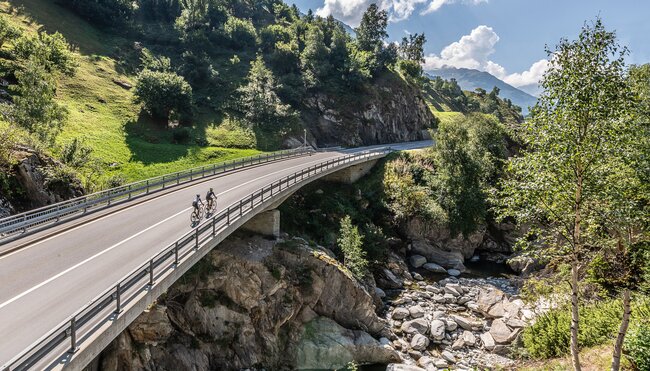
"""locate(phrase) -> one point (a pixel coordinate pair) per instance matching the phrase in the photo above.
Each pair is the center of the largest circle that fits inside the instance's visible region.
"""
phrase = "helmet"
(198, 195)
(210, 189)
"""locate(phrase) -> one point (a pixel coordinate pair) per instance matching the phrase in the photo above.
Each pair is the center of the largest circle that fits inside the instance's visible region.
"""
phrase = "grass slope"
(102, 112)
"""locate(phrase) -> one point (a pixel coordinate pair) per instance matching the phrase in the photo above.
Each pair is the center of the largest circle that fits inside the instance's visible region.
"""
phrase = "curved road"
(57, 271)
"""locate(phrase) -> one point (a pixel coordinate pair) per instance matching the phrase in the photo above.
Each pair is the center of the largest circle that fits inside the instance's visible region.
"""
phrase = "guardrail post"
(228, 216)
(163, 182)
(178, 178)
(73, 336)
(241, 204)
(252, 198)
(203, 172)
(214, 227)
(147, 185)
(151, 281)
(197, 238)
(176, 254)
(118, 298)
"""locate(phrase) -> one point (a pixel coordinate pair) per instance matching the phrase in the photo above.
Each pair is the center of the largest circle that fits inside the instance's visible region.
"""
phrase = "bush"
(75, 153)
(550, 335)
(102, 12)
(410, 69)
(230, 135)
(637, 346)
(240, 33)
(181, 135)
(163, 94)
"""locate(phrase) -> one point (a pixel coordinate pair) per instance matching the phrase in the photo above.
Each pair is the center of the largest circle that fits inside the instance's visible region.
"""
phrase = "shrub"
(240, 33)
(637, 346)
(181, 135)
(163, 94)
(410, 69)
(75, 153)
(230, 135)
(549, 336)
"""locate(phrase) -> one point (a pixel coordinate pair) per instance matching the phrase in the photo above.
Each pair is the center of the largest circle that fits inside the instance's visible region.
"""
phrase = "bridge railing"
(55, 213)
(66, 337)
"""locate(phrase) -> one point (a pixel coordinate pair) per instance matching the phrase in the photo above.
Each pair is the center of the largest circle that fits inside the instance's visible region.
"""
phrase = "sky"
(504, 37)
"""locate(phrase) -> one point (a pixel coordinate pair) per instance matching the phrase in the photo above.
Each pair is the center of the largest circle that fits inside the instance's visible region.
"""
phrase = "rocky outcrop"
(254, 303)
(391, 111)
(37, 180)
(435, 243)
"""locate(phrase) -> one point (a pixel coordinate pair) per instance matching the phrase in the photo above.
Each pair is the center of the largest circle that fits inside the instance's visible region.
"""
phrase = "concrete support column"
(266, 223)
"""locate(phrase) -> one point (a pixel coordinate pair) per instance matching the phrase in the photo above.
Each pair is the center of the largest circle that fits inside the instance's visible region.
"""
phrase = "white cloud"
(351, 11)
(434, 5)
(474, 50)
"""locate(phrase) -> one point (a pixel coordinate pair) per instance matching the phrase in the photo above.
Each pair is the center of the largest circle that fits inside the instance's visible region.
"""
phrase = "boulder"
(326, 344)
(417, 276)
(389, 280)
(416, 326)
(416, 311)
(453, 272)
(417, 261)
(448, 356)
(380, 292)
(469, 338)
(437, 330)
(515, 323)
(488, 341)
(522, 264)
(500, 332)
(152, 326)
(487, 298)
(403, 367)
(450, 325)
(435, 268)
(458, 344)
(440, 363)
(445, 258)
(400, 313)
(467, 323)
(419, 342)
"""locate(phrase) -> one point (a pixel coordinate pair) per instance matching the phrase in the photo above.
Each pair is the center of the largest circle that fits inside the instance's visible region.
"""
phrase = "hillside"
(470, 79)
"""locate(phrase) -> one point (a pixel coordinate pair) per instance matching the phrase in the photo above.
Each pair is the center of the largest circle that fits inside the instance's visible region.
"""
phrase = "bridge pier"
(266, 223)
(351, 174)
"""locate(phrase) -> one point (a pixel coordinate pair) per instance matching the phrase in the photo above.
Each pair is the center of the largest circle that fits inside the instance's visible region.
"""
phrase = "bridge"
(74, 275)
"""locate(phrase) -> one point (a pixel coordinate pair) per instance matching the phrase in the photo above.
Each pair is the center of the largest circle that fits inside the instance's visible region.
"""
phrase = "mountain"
(470, 79)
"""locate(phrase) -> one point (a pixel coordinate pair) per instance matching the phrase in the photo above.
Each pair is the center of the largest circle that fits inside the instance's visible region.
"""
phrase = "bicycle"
(211, 207)
(197, 215)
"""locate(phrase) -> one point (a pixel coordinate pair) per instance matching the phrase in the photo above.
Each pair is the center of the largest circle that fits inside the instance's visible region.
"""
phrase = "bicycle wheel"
(212, 207)
(195, 217)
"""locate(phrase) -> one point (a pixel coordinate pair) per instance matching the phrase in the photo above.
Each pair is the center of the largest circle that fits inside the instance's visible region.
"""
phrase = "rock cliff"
(391, 111)
(254, 303)
(36, 180)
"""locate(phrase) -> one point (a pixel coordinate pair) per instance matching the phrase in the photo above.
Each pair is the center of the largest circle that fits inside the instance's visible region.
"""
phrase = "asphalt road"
(63, 268)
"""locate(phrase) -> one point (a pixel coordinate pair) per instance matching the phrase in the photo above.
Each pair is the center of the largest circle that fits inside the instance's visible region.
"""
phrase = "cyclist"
(196, 202)
(211, 198)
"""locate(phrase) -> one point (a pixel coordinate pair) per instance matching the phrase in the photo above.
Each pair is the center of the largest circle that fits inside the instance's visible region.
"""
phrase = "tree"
(412, 47)
(372, 30)
(469, 152)
(262, 107)
(105, 13)
(567, 178)
(34, 107)
(350, 242)
(314, 58)
(50, 51)
(163, 95)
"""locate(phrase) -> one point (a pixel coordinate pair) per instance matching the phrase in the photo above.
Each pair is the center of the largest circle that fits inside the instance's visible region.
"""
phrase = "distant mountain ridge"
(470, 79)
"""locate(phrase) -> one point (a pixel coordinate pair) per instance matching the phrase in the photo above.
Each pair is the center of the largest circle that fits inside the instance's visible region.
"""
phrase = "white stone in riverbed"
(433, 289)
(419, 342)
(437, 330)
(438, 314)
(500, 331)
(433, 267)
(417, 276)
(469, 338)
(449, 356)
(451, 290)
(440, 363)
(417, 261)
(416, 311)
(400, 313)
(450, 325)
(488, 341)
(453, 272)
(458, 344)
(415, 326)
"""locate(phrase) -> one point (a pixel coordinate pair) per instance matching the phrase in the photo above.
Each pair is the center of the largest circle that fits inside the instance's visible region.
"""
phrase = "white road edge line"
(123, 241)
(130, 208)
(87, 260)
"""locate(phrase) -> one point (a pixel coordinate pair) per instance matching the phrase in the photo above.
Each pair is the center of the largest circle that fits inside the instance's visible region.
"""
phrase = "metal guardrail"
(111, 302)
(39, 218)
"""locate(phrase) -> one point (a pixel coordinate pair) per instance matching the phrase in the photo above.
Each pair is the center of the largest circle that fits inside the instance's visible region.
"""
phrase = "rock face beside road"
(252, 302)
